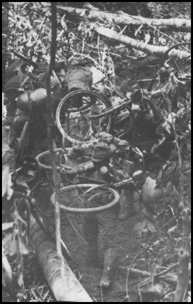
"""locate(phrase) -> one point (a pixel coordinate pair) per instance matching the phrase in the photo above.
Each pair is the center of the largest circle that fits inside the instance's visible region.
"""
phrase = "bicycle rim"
(74, 108)
(78, 201)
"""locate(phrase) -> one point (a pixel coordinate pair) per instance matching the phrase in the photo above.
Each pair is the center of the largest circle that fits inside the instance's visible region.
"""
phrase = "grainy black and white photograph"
(96, 151)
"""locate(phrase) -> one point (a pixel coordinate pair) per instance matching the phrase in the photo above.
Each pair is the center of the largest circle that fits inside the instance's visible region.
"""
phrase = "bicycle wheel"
(86, 198)
(64, 165)
(72, 116)
(44, 159)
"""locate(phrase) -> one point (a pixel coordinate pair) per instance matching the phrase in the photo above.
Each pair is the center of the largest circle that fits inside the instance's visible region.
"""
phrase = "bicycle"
(140, 108)
(79, 171)
(89, 200)
(88, 158)
(123, 114)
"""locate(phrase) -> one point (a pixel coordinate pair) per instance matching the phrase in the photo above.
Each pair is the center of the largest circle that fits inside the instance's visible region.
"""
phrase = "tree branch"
(140, 45)
(178, 24)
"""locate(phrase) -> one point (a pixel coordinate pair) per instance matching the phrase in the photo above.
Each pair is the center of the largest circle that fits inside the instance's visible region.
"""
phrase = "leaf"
(8, 154)
(149, 191)
(20, 279)
(63, 23)
(9, 244)
(138, 30)
(97, 75)
(6, 271)
(19, 218)
(172, 230)
(20, 181)
(153, 291)
(144, 227)
(23, 248)
(4, 109)
(6, 182)
(6, 226)
(5, 140)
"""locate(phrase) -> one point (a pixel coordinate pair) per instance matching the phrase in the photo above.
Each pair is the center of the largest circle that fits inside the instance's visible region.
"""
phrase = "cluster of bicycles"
(97, 132)
(106, 146)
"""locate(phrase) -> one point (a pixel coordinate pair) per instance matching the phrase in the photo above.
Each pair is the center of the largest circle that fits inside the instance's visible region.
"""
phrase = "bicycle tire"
(88, 210)
(64, 103)
(43, 154)
(62, 168)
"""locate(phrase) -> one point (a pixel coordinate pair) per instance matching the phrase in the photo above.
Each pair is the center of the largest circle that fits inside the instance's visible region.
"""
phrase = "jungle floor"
(120, 234)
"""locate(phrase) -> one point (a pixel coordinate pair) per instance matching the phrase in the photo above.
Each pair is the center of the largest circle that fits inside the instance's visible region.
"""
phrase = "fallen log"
(179, 24)
(140, 45)
(62, 282)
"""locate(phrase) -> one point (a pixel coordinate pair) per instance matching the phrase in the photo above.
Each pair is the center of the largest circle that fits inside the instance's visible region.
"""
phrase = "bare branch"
(140, 45)
(123, 18)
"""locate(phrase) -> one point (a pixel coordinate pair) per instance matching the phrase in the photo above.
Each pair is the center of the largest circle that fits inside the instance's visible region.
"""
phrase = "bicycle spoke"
(88, 100)
(107, 198)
